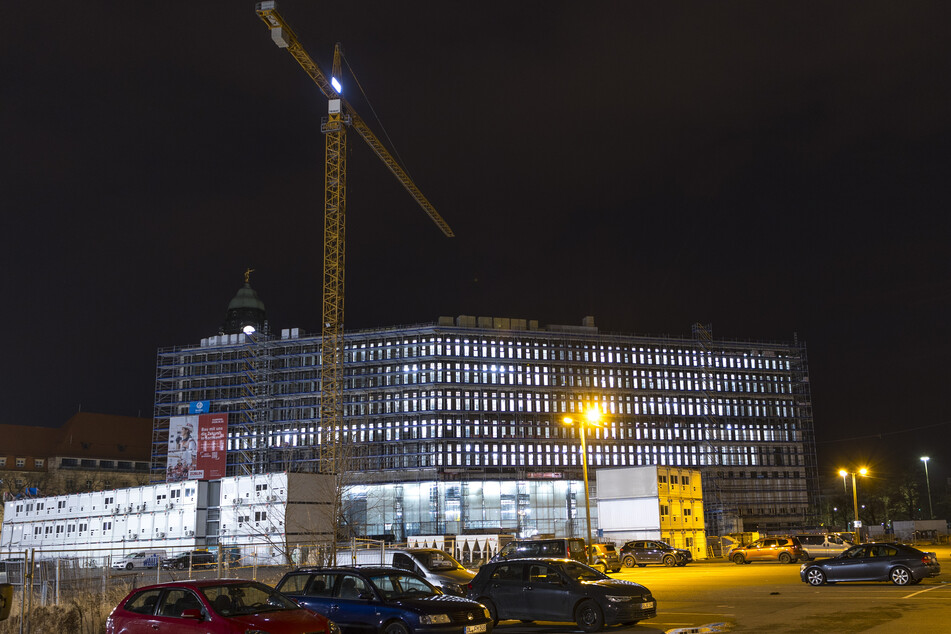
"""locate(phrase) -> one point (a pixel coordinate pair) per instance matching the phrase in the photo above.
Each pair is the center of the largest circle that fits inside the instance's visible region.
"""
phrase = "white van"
(822, 545)
(436, 566)
(141, 559)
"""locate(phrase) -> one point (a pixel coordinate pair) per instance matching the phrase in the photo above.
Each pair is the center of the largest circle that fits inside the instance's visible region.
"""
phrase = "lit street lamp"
(855, 498)
(592, 417)
(925, 459)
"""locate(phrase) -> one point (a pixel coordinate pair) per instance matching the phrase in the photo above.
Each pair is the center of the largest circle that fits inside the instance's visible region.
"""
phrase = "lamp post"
(855, 498)
(925, 459)
(591, 417)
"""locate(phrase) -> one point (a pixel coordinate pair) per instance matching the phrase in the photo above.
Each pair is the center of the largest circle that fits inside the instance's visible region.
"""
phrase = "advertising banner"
(212, 440)
(197, 447)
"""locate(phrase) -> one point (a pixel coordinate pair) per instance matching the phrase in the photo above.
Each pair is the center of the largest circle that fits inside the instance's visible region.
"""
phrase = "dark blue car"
(383, 600)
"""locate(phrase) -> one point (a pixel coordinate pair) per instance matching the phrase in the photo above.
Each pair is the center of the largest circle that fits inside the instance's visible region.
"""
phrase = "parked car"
(900, 564)
(561, 547)
(641, 552)
(604, 557)
(194, 558)
(215, 606)
(822, 545)
(786, 550)
(559, 590)
(141, 559)
(383, 600)
(436, 566)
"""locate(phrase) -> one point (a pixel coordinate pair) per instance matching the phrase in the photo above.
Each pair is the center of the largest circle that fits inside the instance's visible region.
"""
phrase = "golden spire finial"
(247, 276)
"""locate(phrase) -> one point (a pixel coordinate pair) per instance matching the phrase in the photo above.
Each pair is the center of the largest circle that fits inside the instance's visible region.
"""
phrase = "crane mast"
(340, 116)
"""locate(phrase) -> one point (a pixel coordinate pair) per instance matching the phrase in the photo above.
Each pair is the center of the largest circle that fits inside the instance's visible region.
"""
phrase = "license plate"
(647, 605)
(475, 629)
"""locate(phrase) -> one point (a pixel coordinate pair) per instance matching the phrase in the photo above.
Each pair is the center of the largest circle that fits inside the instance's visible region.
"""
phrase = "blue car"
(383, 600)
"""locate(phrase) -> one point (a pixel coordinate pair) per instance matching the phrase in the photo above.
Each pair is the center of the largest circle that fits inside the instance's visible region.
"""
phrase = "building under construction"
(458, 426)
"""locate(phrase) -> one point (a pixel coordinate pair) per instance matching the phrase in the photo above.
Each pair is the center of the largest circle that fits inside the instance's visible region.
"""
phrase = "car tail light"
(926, 559)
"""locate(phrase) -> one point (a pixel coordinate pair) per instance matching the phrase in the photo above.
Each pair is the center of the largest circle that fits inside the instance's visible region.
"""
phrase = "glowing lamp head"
(843, 472)
(593, 416)
(248, 330)
(925, 459)
(863, 471)
(336, 85)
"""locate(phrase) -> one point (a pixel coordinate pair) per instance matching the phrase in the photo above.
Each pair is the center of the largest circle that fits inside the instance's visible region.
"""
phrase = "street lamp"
(855, 498)
(591, 417)
(925, 459)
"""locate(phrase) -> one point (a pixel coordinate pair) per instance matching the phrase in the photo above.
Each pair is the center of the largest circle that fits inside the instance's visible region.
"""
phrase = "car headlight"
(334, 628)
(619, 599)
(434, 619)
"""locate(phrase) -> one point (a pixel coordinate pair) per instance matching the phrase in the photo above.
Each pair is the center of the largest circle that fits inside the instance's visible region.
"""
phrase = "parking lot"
(770, 598)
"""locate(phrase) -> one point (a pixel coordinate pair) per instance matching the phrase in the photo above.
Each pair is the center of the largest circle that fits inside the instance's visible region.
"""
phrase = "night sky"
(774, 169)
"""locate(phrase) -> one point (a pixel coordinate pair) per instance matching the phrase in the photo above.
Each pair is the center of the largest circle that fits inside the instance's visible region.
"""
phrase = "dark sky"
(769, 168)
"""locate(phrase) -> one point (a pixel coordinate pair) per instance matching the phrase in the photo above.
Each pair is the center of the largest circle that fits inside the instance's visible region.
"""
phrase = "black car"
(559, 590)
(383, 600)
(641, 552)
(192, 558)
(900, 564)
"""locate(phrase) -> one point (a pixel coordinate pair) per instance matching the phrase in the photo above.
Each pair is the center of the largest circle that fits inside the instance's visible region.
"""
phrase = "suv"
(382, 599)
(786, 550)
(192, 558)
(641, 552)
(604, 557)
(561, 548)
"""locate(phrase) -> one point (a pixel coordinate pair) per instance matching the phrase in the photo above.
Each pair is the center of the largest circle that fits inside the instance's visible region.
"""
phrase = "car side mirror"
(365, 596)
(193, 613)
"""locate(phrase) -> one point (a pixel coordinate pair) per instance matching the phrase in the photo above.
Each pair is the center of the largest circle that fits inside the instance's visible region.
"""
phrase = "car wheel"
(738, 558)
(629, 562)
(128, 566)
(588, 616)
(784, 558)
(600, 567)
(180, 565)
(493, 611)
(815, 577)
(395, 628)
(900, 576)
(670, 561)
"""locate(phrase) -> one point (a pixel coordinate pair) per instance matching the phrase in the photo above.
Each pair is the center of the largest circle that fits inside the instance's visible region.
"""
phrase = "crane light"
(336, 85)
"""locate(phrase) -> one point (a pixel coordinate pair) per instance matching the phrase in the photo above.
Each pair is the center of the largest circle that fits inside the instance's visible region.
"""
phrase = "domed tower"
(245, 311)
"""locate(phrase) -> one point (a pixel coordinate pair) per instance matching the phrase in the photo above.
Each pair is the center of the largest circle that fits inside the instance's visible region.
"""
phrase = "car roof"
(369, 569)
(199, 583)
(556, 560)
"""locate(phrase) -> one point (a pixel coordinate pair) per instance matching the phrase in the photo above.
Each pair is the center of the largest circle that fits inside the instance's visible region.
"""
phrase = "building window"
(39, 462)
(3, 461)
(21, 462)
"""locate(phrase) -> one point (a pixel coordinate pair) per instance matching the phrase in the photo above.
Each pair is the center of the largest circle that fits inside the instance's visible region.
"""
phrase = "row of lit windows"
(532, 350)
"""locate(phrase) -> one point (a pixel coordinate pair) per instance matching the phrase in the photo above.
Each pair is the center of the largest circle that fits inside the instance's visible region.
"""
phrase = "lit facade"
(457, 425)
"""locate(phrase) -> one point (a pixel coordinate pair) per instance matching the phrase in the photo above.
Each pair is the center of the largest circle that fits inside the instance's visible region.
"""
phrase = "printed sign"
(197, 447)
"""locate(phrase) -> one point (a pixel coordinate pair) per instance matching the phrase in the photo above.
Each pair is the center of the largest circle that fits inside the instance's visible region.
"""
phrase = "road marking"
(923, 591)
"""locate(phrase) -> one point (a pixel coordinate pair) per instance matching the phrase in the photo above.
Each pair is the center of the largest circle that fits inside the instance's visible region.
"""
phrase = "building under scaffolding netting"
(435, 414)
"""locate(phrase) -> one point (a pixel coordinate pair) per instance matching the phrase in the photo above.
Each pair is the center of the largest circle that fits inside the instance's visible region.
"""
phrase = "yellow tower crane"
(340, 116)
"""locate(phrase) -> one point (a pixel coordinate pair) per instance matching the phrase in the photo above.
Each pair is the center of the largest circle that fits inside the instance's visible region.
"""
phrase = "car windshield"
(401, 586)
(436, 560)
(246, 598)
(581, 572)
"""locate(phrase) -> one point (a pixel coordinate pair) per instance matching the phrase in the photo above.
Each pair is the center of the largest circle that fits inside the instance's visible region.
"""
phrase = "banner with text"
(196, 447)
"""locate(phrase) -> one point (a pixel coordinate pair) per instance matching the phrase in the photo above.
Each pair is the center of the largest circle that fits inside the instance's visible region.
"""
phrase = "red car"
(216, 606)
